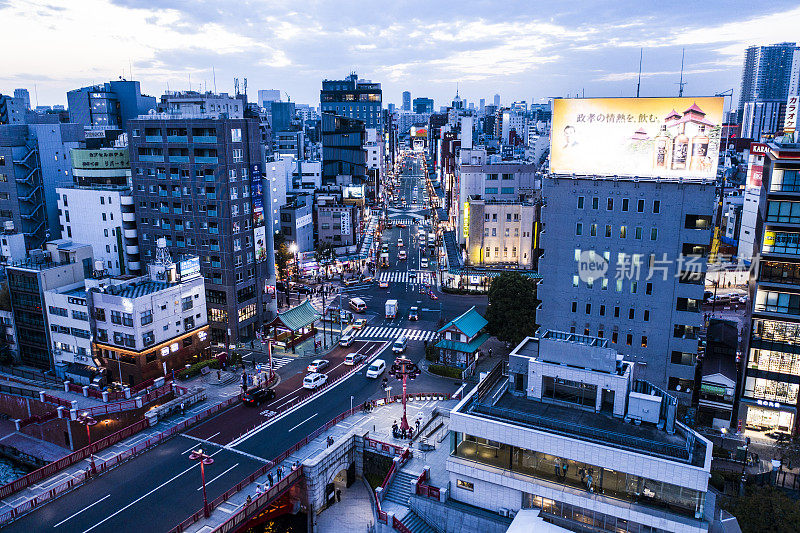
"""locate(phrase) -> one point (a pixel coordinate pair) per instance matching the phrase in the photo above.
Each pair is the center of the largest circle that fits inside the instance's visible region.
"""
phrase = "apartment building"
(499, 233)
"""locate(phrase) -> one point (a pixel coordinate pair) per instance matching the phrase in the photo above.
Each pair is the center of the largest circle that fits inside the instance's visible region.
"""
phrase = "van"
(348, 336)
(377, 368)
(399, 345)
(358, 305)
(313, 381)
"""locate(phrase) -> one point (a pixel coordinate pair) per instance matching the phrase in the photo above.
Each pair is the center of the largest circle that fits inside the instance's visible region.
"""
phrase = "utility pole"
(681, 83)
(639, 82)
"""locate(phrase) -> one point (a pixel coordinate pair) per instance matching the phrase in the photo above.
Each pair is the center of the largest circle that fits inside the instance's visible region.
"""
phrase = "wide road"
(160, 488)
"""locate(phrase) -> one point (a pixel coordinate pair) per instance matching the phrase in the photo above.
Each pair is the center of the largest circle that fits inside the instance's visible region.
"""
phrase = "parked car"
(317, 365)
(377, 368)
(313, 381)
(257, 396)
(353, 358)
(413, 313)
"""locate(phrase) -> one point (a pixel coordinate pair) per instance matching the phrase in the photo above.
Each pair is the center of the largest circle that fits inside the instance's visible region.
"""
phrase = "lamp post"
(264, 340)
(404, 369)
(198, 455)
(88, 421)
(293, 249)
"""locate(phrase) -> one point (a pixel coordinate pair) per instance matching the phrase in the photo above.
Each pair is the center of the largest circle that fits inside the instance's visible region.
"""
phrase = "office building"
(649, 238)
(108, 105)
(103, 217)
(496, 100)
(769, 394)
(762, 117)
(150, 326)
(291, 143)
(101, 166)
(283, 116)
(338, 224)
(196, 104)
(423, 105)
(267, 96)
(344, 158)
(70, 330)
(406, 101)
(297, 222)
(61, 263)
(34, 161)
(353, 98)
(571, 433)
(13, 109)
(198, 183)
(767, 73)
(499, 233)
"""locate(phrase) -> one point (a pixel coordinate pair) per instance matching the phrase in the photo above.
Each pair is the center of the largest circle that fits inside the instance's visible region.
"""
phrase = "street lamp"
(293, 249)
(403, 368)
(265, 340)
(198, 455)
(88, 421)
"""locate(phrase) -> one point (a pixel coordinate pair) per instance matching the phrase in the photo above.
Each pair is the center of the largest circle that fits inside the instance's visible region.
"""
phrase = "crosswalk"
(422, 276)
(406, 221)
(379, 332)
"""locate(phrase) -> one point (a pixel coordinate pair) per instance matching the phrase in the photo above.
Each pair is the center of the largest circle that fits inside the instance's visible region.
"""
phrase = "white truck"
(391, 308)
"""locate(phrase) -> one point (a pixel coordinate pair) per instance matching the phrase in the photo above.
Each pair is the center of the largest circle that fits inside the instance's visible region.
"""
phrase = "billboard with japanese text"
(666, 137)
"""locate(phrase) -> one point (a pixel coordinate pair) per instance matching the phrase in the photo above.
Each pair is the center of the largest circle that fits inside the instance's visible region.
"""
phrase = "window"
(648, 288)
(147, 317)
(637, 232)
(644, 341)
(608, 230)
(574, 307)
(595, 202)
(646, 315)
(653, 234)
(466, 485)
(640, 206)
(593, 230)
(580, 202)
(238, 155)
(614, 337)
(236, 135)
(148, 338)
(80, 315)
(629, 339)
(682, 358)
(624, 204)
(58, 311)
(186, 303)
(616, 312)
(588, 309)
(656, 206)
(623, 232)
(575, 281)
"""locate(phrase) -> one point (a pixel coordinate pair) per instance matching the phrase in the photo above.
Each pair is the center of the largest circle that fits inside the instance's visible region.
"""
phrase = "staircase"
(416, 524)
(400, 488)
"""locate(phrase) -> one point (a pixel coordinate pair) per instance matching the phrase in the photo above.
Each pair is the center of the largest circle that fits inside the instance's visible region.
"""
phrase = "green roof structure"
(298, 317)
(466, 347)
(469, 323)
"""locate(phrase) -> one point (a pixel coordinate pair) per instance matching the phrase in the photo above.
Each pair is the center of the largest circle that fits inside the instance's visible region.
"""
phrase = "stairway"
(400, 488)
(416, 524)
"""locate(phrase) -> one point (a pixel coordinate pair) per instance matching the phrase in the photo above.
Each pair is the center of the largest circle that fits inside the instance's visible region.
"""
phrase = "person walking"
(338, 495)
(269, 478)
(183, 408)
(280, 473)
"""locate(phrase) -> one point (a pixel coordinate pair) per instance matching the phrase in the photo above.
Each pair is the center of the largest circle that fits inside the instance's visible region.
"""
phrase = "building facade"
(499, 233)
(297, 222)
(767, 73)
(198, 183)
(624, 259)
(109, 105)
(353, 98)
(344, 159)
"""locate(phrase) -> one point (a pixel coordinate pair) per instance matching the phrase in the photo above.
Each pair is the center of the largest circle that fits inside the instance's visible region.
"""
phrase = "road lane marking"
(82, 510)
(219, 476)
(212, 436)
(303, 422)
(140, 498)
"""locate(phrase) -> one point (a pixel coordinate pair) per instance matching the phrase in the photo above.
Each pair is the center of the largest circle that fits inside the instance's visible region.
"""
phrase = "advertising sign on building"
(346, 223)
(260, 235)
(257, 195)
(651, 137)
(790, 118)
(101, 158)
(466, 219)
(189, 268)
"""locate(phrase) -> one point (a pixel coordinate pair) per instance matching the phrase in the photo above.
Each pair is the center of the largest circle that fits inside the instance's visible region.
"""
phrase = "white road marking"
(82, 510)
(219, 476)
(303, 422)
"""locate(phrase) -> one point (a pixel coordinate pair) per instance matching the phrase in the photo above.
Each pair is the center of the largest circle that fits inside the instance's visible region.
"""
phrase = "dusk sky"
(523, 50)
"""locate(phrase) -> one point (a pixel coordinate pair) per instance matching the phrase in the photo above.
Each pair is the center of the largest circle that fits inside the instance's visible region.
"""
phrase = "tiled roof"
(299, 317)
(469, 323)
(465, 347)
(138, 289)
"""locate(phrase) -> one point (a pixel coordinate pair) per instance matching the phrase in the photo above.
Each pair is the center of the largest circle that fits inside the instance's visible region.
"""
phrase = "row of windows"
(609, 231)
(614, 336)
(618, 284)
(640, 204)
(602, 311)
(509, 217)
(494, 232)
(503, 190)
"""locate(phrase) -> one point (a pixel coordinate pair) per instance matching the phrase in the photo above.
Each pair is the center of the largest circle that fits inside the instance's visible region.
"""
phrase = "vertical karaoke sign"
(259, 229)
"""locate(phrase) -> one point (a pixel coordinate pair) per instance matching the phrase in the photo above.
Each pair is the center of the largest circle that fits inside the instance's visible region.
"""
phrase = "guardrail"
(423, 489)
(57, 401)
(83, 453)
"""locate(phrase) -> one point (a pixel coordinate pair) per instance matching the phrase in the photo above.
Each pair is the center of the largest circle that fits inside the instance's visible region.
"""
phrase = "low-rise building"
(461, 338)
(70, 330)
(569, 432)
(337, 224)
(297, 222)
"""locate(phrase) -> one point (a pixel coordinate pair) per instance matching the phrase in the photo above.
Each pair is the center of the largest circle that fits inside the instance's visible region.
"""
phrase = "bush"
(195, 369)
(451, 290)
(445, 371)
(431, 353)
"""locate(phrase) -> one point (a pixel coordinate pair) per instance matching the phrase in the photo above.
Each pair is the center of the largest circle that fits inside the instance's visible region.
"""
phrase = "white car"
(423, 263)
(399, 243)
(317, 365)
(377, 368)
(401, 255)
(399, 345)
(314, 381)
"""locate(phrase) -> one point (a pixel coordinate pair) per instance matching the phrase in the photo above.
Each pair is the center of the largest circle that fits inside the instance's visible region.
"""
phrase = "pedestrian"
(269, 478)
(417, 424)
(183, 409)
(259, 490)
(490, 352)
(249, 499)
(219, 375)
(338, 495)
(280, 473)
(254, 363)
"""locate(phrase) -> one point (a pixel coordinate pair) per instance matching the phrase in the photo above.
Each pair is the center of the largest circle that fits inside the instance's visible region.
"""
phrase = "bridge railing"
(83, 453)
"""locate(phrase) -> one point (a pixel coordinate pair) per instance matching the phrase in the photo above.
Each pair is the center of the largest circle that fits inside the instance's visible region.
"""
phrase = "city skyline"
(522, 54)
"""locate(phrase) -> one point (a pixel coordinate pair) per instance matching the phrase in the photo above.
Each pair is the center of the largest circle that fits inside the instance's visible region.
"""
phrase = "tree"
(766, 509)
(282, 255)
(326, 254)
(512, 307)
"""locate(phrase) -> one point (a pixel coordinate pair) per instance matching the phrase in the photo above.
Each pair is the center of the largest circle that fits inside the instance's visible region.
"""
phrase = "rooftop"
(681, 446)
(469, 323)
(138, 289)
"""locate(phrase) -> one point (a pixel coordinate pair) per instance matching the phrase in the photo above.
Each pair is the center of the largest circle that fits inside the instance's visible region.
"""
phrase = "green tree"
(282, 256)
(326, 254)
(766, 509)
(512, 307)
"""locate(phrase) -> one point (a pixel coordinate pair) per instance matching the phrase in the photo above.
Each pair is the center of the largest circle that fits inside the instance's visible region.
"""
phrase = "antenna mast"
(681, 83)
(214, 77)
(639, 83)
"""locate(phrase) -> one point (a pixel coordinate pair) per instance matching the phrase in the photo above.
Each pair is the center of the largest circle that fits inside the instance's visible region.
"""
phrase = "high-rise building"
(770, 387)
(766, 74)
(353, 98)
(423, 105)
(482, 105)
(267, 96)
(108, 105)
(198, 183)
(496, 100)
(406, 101)
(24, 96)
(344, 158)
(652, 237)
(13, 108)
(283, 116)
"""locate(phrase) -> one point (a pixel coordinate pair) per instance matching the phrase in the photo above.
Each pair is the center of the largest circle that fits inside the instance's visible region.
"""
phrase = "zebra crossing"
(379, 332)
(423, 276)
(406, 221)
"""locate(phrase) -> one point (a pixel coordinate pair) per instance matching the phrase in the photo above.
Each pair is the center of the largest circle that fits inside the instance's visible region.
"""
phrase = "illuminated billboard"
(666, 137)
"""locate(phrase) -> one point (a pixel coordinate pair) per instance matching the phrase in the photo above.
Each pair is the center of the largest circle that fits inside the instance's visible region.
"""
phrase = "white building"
(70, 329)
(8, 331)
(102, 216)
(571, 433)
(12, 244)
(207, 105)
(499, 233)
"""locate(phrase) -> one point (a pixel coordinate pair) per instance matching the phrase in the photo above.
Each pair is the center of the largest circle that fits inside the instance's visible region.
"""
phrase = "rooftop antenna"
(681, 83)
(162, 253)
(245, 88)
(130, 68)
(639, 83)
(214, 77)
(235, 86)
(190, 81)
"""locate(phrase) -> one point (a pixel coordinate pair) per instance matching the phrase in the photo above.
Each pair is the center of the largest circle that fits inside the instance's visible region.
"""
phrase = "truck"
(391, 308)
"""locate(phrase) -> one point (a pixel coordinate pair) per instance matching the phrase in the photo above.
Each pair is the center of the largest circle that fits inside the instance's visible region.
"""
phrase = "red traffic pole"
(205, 497)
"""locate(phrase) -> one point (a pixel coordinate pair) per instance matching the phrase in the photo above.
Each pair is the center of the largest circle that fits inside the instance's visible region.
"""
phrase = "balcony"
(131, 249)
(206, 160)
(208, 139)
(179, 159)
(129, 217)
(152, 158)
(130, 233)
(177, 138)
(153, 138)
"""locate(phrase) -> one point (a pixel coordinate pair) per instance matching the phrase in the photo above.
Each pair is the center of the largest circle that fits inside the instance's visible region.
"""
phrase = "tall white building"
(70, 329)
(571, 433)
(103, 217)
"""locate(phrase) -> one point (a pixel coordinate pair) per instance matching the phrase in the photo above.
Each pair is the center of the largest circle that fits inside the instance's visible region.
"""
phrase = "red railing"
(83, 453)
(404, 456)
(56, 400)
(399, 526)
(423, 489)
(38, 419)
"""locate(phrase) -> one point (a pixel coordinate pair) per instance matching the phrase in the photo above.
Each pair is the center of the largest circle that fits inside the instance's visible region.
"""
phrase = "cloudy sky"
(527, 50)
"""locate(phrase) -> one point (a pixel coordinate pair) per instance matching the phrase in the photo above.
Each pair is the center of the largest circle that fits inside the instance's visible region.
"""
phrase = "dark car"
(302, 289)
(280, 286)
(257, 396)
